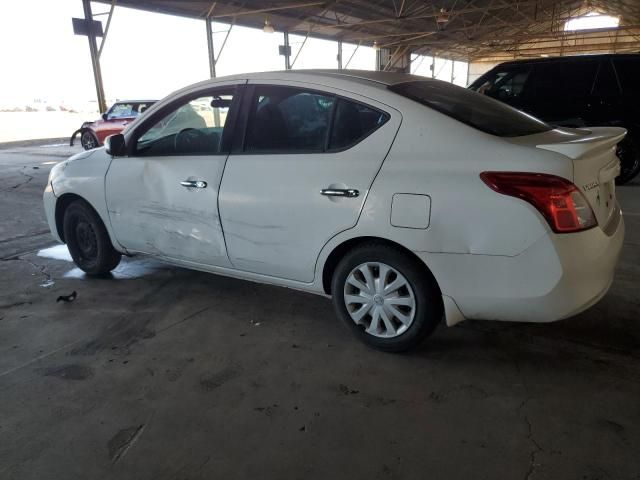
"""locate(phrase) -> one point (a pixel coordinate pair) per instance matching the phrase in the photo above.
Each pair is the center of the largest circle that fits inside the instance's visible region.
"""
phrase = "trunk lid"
(595, 164)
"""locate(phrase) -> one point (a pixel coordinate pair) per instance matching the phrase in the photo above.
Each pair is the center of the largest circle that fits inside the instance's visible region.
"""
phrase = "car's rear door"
(302, 174)
(163, 197)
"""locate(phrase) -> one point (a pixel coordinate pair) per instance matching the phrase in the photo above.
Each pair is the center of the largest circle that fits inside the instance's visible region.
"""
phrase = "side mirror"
(105, 116)
(114, 145)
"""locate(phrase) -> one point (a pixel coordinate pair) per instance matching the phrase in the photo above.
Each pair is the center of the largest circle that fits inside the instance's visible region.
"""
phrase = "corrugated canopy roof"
(459, 29)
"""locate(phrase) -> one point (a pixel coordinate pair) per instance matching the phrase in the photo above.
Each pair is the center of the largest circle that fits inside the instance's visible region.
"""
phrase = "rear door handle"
(194, 183)
(340, 192)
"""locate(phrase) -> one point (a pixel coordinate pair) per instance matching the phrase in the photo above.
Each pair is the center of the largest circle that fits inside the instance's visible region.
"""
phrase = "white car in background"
(406, 199)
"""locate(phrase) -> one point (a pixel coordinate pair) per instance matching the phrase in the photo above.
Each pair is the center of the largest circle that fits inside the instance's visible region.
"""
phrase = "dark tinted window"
(353, 122)
(562, 81)
(606, 83)
(504, 85)
(474, 109)
(629, 74)
(288, 119)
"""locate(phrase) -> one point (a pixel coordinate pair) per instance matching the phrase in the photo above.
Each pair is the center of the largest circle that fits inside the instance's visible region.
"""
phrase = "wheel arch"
(343, 248)
(61, 206)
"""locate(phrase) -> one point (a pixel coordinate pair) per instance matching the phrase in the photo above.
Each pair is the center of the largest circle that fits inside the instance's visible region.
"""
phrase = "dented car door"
(163, 198)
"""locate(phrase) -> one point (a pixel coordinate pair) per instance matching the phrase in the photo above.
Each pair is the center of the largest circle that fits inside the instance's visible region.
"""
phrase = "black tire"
(88, 140)
(88, 240)
(629, 155)
(426, 294)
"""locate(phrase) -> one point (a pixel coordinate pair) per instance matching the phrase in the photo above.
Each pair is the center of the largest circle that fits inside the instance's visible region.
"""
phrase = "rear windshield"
(474, 109)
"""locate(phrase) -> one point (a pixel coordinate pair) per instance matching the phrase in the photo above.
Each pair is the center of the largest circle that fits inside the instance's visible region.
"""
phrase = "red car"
(92, 134)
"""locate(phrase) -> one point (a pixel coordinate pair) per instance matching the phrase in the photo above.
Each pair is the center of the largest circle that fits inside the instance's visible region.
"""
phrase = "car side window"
(353, 122)
(193, 128)
(563, 81)
(287, 119)
(139, 108)
(121, 110)
(505, 85)
(629, 74)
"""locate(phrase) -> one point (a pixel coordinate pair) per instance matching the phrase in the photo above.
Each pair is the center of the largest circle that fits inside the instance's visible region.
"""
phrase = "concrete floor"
(164, 373)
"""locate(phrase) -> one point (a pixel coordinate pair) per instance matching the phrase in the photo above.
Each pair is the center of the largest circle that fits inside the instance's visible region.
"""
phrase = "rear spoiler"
(598, 139)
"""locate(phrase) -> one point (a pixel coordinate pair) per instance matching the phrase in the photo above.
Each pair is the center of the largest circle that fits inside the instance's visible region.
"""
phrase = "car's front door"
(306, 164)
(163, 197)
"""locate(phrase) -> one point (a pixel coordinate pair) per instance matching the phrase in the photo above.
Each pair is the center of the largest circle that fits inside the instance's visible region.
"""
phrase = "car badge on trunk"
(590, 186)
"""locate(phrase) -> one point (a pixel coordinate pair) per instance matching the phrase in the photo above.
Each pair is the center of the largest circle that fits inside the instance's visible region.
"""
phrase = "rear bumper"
(557, 277)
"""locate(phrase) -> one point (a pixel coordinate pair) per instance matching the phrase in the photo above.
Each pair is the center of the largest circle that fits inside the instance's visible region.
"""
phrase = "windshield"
(474, 109)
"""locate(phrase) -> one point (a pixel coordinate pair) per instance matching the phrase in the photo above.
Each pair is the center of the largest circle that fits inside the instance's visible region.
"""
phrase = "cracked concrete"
(181, 374)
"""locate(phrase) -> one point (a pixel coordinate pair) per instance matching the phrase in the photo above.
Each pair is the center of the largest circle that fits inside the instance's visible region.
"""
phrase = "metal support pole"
(212, 65)
(287, 53)
(212, 54)
(339, 54)
(106, 28)
(95, 61)
(346, 65)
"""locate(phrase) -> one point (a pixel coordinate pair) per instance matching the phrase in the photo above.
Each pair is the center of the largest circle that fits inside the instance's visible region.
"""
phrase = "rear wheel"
(88, 140)
(88, 241)
(386, 297)
(629, 155)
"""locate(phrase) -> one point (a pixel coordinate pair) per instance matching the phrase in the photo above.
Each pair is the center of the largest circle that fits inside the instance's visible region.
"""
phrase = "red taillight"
(557, 199)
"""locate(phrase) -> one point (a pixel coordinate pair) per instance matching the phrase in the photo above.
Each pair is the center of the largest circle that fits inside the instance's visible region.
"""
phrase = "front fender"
(84, 176)
(74, 135)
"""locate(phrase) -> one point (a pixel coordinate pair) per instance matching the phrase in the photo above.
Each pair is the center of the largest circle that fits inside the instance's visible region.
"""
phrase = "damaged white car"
(408, 200)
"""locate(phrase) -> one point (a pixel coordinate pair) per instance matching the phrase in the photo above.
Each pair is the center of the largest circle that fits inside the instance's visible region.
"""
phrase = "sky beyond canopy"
(146, 55)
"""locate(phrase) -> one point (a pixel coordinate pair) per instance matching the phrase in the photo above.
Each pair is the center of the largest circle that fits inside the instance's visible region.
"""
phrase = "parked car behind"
(92, 134)
(581, 91)
(406, 199)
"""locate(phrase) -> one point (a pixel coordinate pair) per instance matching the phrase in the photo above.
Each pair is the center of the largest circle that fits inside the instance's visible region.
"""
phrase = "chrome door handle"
(194, 183)
(340, 192)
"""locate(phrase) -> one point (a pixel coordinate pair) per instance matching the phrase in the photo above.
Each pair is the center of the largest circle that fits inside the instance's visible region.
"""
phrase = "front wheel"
(88, 241)
(88, 140)
(386, 297)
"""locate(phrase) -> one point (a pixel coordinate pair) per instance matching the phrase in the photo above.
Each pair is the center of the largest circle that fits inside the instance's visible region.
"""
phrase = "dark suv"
(591, 90)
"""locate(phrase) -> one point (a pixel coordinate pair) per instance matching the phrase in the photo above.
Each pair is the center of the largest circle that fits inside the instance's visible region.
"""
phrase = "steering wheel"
(187, 138)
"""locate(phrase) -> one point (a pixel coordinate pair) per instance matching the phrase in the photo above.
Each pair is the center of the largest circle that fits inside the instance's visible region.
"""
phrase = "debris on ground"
(346, 390)
(67, 298)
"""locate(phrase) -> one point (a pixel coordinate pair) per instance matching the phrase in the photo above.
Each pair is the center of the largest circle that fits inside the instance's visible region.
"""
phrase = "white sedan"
(403, 198)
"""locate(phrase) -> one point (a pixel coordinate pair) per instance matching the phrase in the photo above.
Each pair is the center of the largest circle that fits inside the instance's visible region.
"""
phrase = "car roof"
(570, 58)
(384, 78)
(369, 78)
(134, 101)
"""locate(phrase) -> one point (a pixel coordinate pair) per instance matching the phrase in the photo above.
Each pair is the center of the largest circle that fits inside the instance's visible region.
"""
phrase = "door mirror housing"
(114, 145)
(105, 116)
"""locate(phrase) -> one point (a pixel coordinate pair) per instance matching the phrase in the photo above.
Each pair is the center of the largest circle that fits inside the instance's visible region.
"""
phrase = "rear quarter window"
(471, 108)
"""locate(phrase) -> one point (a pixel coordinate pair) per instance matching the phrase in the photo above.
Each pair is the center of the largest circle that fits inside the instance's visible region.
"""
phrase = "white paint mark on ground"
(57, 252)
(127, 269)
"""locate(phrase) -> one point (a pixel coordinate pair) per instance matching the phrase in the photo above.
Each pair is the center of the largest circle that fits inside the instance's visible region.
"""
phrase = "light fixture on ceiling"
(443, 17)
(268, 28)
(376, 46)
